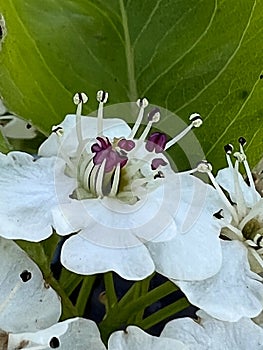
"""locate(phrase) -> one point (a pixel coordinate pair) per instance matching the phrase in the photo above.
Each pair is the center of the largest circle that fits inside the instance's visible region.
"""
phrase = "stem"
(110, 290)
(129, 295)
(118, 316)
(148, 299)
(69, 281)
(68, 309)
(164, 313)
(144, 287)
(84, 293)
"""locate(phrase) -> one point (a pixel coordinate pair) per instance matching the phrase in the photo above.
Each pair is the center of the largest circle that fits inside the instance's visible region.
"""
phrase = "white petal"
(111, 128)
(83, 257)
(133, 338)
(76, 333)
(234, 292)
(195, 252)
(225, 178)
(150, 218)
(26, 303)
(27, 195)
(17, 128)
(212, 334)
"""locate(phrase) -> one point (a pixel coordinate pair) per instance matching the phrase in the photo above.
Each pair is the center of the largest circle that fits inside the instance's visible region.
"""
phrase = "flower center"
(121, 167)
(246, 225)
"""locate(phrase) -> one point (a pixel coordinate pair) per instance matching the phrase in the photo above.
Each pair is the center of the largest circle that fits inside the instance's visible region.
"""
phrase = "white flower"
(124, 192)
(236, 291)
(212, 334)
(27, 303)
(76, 333)
(133, 338)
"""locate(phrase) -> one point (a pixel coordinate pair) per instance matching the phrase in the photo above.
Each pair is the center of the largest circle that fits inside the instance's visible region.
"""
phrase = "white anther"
(102, 96)
(80, 97)
(142, 102)
(196, 120)
(204, 167)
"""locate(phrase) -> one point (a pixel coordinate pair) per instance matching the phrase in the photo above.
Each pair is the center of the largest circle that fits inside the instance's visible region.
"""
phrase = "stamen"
(79, 98)
(196, 122)
(58, 130)
(85, 174)
(142, 103)
(233, 229)
(102, 97)
(99, 180)
(205, 167)
(228, 150)
(242, 141)
(153, 117)
(115, 182)
(240, 201)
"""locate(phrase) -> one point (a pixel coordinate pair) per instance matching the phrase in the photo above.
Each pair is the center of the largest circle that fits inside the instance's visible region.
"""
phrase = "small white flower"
(114, 190)
(124, 195)
(212, 334)
(236, 290)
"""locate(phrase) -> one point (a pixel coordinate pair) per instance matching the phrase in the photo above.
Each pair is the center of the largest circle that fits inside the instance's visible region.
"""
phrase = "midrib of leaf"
(129, 53)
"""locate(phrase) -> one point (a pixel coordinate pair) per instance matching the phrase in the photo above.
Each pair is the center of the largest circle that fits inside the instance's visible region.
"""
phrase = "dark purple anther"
(156, 142)
(103, 150)
(158, 162)
(153, 113)
(126, 145)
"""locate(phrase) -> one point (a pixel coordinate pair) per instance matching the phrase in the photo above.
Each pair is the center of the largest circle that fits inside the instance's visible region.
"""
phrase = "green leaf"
(187, 56)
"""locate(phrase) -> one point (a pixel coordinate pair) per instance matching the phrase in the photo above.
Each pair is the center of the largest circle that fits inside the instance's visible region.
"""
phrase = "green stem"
(110, 290)
(140, 289)
(164, 313)
(68, 309)
(84, 293)
(119, 315)
(69, 281)
(129, 295)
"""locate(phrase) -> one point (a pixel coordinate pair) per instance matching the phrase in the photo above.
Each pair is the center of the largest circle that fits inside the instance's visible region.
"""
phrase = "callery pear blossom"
(27, 303)
(236, 291)
(211, 334)
(124, 191)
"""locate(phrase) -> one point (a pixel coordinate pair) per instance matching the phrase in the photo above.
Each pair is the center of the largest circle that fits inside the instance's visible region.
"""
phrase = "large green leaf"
(187, 56)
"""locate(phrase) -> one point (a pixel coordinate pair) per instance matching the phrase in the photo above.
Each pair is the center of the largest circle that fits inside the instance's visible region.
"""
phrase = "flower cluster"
(112, 193)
